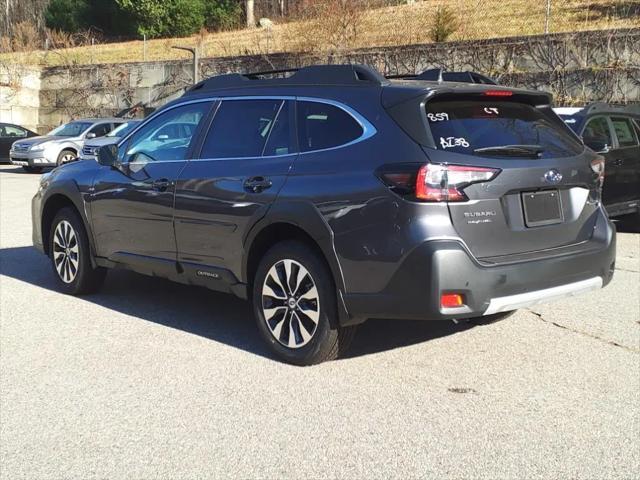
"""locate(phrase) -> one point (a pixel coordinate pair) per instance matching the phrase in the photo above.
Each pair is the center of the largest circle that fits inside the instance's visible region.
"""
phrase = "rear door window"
(322, 126)
(12, 131)
(624, 131)
(280, 141)
(464, 126)
(102, 129)
(242, 128)
(597, 133)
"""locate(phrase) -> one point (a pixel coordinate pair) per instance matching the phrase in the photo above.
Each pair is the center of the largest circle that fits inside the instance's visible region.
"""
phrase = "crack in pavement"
(580, 332)
(627, 270)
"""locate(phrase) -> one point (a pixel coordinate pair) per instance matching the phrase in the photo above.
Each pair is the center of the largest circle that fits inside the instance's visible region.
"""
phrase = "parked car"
(61, 145)
(91, 146)
(336, 195)
(9, 133)
(613, 132)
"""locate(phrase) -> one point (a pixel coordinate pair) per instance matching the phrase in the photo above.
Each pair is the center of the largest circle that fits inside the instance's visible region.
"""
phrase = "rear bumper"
(529, 299)
(446, 266)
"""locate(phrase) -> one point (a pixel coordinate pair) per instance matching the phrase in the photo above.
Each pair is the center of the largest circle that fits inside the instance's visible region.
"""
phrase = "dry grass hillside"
(341, 28)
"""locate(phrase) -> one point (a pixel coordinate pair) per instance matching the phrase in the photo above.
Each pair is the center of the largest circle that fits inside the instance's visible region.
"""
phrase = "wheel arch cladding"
(276, 232)
(52, 206)
(272, 234)
(70, 149)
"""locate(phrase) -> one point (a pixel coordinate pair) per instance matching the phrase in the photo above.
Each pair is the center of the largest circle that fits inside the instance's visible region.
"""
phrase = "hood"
(102, 141)
(30, 142)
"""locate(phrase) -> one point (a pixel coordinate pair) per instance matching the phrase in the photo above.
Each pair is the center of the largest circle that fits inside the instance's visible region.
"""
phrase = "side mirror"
(91, 135)
(597, 146)
(163, 137)
(108, 156)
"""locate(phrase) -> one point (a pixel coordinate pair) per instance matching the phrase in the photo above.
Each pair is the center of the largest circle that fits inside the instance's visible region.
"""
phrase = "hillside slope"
(400, 25)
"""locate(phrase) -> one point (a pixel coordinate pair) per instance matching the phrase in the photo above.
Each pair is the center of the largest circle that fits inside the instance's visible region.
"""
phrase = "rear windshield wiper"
(512, 151)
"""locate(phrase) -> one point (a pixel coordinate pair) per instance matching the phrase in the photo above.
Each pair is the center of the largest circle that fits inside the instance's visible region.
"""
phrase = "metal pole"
(196, 66)
(144, 47)
(194, 52)
(547, 17)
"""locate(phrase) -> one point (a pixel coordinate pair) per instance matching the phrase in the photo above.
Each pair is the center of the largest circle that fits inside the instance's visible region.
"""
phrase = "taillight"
(445, 183)
(597, 165)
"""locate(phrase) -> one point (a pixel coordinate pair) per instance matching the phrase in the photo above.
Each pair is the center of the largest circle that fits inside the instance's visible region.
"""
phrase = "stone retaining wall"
(575, 67)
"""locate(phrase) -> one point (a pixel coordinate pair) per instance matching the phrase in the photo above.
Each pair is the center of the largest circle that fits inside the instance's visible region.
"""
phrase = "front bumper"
(30, 159)
(446, 266)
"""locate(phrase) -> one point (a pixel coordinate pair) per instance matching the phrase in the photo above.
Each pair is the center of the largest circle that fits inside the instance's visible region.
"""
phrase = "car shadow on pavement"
(216, 316)
(627, 226)
(8, 169)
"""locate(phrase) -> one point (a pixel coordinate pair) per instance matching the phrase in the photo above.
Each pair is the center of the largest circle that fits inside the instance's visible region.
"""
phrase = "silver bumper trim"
(528, 299)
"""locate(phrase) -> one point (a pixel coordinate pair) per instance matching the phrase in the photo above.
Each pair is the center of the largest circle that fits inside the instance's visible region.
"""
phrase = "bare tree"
(19, 11)
(251, 16)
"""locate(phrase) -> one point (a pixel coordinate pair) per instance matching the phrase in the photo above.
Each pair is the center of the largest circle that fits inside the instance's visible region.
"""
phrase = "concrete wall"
(576, 68)
(20, 95)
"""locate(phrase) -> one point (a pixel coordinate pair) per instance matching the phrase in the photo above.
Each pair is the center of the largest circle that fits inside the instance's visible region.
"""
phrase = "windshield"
(122, 129)
(470, 126)
(72, 129)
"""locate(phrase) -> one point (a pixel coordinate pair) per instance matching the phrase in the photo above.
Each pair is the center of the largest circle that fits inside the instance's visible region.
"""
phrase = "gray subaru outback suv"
(336, 195)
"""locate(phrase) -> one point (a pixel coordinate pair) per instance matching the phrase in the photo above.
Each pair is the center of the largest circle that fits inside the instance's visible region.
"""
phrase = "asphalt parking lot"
(150, 379)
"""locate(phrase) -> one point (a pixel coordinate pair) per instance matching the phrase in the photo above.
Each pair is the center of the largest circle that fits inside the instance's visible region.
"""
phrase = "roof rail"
(313, 75)
(608, 107)
(440, 75)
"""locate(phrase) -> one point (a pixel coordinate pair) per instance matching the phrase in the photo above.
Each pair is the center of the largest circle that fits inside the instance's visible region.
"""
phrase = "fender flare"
(70, 190)
(306, 217)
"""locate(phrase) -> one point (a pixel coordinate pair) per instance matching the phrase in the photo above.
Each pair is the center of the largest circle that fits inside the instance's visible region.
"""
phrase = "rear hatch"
(544, 194)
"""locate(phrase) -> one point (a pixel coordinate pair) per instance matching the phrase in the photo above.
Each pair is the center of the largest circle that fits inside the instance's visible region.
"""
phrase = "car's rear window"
(467, 125)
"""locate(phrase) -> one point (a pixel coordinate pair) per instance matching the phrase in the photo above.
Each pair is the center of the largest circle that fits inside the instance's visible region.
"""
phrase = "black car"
(10, 133)
(613, 132)
(335, 195)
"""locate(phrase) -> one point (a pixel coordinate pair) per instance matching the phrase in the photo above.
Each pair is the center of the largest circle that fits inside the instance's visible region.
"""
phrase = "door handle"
(618, 162)
(161, 185)
(257, 184)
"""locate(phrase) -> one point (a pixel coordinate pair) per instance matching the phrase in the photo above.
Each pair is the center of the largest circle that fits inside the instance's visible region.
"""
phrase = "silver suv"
(61, 145)
(113, 137)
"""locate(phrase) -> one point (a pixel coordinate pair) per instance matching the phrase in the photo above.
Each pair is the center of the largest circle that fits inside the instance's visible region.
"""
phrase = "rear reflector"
(451, 300)
(498, 93)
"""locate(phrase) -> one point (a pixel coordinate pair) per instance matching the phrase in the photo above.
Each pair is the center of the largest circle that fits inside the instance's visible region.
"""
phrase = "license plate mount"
(542, 208)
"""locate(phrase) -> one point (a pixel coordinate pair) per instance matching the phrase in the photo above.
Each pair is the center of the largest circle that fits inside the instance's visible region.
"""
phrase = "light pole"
(194, 52)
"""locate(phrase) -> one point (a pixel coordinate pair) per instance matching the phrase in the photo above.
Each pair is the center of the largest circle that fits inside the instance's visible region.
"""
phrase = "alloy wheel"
(66, 253)
(290, 303)
(67, 157)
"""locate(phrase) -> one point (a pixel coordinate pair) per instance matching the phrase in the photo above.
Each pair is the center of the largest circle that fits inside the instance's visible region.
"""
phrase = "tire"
(303, 328)
(32, 169)
(630, 222)
(493, 318)
(74, 273)
(66, 156)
